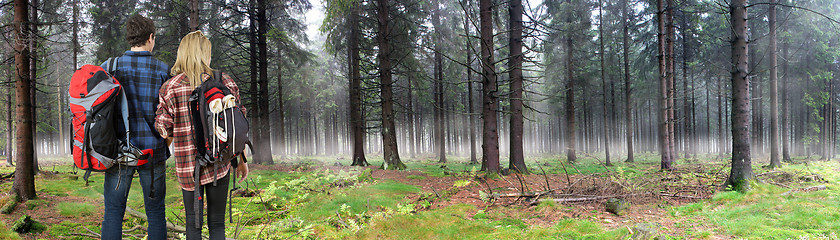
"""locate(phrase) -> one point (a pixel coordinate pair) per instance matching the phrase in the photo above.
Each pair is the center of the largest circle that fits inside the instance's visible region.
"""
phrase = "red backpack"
(98, 106)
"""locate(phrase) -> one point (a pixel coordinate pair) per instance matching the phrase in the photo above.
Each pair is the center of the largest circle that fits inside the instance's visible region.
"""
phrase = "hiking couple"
(159, 115)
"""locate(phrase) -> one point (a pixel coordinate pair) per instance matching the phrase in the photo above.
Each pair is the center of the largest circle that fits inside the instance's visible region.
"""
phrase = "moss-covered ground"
(314, 198)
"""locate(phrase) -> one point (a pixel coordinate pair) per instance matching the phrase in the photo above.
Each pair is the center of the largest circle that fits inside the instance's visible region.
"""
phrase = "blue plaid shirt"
(141, 76)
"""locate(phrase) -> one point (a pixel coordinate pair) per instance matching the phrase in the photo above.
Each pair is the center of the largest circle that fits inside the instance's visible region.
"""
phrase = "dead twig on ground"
(522, 183)
(680, 196)
(169, 225)
(584, 199)
(96, 236)
(806, 189)
(569, 180)
(511, 184)
(89, 233)
(522, 194)
(341, 221)
(436, 192)
(597, 160)
(131, 229)
(547, 185)
(768, 173)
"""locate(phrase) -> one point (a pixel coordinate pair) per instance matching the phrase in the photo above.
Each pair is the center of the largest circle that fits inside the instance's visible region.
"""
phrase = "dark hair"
(138, 29)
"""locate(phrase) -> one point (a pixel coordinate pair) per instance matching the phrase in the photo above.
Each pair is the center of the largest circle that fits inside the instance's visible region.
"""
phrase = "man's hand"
(168, 141)
(242, 171)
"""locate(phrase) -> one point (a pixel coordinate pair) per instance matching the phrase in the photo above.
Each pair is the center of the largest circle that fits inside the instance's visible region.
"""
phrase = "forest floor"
(321, 197)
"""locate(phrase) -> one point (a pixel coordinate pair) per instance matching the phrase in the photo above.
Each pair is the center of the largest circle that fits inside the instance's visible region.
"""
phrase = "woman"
(192, 67)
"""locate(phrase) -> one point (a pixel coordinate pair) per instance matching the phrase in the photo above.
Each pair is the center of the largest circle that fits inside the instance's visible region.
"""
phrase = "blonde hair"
(193, 58)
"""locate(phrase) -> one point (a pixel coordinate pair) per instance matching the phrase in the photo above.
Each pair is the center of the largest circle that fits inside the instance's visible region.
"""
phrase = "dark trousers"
(117, 183)
(216, 197)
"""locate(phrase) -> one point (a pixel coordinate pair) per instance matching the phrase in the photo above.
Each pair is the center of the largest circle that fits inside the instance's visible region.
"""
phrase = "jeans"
(216, 197)
(117, 184)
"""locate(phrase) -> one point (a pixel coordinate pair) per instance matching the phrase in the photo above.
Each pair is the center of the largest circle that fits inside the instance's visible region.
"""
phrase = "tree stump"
(25, 224)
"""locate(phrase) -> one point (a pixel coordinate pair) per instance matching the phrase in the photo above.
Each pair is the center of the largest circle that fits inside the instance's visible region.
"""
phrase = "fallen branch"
(10, 175)
(511, 184)
(779, 184)
(90, 234)
(767, 173)
(680, 196)
(806, 189)
(340, 220)
(96, 236)
(131, 229)
(436, 192)
(569, 180)
(584, 199)
(169, 225)
(547, 185)
(519, 195)
(135, 213)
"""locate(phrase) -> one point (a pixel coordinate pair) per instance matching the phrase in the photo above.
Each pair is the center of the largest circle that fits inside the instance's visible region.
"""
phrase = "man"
(141, 77)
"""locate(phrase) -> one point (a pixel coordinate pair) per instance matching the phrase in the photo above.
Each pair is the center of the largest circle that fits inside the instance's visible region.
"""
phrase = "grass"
(6, 232)
(763, 213)
(76, 209)
(65, 228)
(310, 204)
(365, 198)
(453, 222)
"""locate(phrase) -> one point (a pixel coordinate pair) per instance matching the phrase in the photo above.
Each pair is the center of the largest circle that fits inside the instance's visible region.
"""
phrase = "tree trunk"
(490, 135)
(440, 133)
(194, 7)
(517, 154)
(33, 76)
(785, 130)
(357, 121)
(254, 76)
(389, 133)
(75, 49)
(665, 110)
(470, 97)
(281, 110)
(24, 185)
(709, 146)
(263, 129)
(9, 109)
(409, 118)
(313, 131)
(774, 99)
(688, 138)
(570, 98)
(628, 100)
(671, 73)
(741, 173)
(264, 151)
(604, 81)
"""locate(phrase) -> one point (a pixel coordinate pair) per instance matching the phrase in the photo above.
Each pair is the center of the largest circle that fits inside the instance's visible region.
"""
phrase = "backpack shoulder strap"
(112, 65)
(217, 75)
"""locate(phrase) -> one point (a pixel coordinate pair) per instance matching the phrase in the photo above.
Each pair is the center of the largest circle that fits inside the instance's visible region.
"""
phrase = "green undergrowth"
(455, 222)
(75, 209)
(349, 203)
(6, 232)
(765, 213)
(585, 164)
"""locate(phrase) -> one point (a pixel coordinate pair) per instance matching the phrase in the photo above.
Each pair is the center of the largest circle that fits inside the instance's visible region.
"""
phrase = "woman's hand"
(242, 171)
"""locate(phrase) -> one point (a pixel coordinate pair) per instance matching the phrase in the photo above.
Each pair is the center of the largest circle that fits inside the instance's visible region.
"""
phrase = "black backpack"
(220, 131)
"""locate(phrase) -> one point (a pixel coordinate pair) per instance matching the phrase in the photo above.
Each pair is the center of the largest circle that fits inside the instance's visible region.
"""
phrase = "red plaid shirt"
(173, 119)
